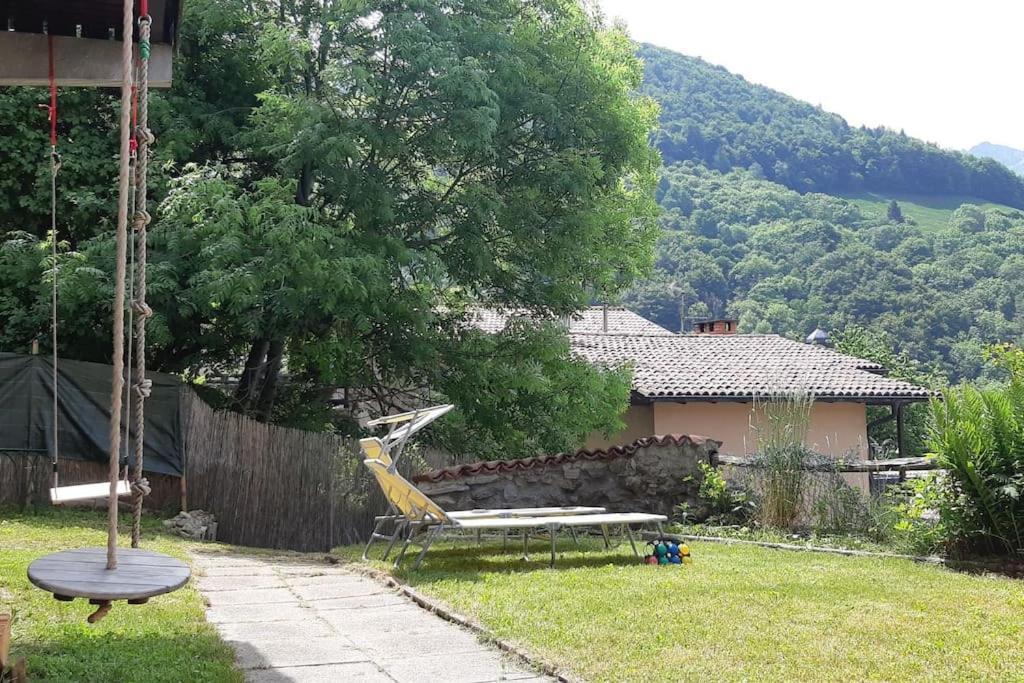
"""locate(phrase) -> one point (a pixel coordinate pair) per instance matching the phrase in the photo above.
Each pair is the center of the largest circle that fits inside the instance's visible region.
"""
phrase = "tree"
(894, 213)
(370, 170)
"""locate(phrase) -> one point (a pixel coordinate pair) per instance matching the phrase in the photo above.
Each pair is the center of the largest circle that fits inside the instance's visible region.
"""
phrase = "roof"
(739, 367)
(589, 320)
(539, 462)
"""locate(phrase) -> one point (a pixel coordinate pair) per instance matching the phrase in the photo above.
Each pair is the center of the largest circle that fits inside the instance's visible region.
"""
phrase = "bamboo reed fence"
(274, 487)
(268, 486)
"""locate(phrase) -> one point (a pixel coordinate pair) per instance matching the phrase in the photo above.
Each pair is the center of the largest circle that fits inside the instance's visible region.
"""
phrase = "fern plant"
(977, 435)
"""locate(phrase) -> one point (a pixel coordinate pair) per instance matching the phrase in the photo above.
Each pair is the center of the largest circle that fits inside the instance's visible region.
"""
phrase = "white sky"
(947, 71)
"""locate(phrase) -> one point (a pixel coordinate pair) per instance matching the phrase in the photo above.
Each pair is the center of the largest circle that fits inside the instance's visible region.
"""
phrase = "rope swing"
(94, 573)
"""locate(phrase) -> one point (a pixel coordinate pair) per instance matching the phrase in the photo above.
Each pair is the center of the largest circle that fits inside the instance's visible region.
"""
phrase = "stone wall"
(653, 474)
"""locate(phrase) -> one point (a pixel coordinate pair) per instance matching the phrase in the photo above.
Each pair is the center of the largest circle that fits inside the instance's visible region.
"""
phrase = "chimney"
(717, 326)
(604, 318)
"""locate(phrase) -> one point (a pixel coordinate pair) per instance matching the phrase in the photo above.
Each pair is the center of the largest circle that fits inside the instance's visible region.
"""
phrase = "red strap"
(143, 8)
(53, 95)
(133, 144)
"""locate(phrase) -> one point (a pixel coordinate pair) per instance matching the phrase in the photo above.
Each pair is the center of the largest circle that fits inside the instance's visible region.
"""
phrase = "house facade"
(705, 383)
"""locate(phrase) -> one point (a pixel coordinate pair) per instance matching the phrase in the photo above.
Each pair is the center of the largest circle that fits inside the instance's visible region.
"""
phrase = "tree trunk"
(268, 392)
(245, 392)
(305, 189)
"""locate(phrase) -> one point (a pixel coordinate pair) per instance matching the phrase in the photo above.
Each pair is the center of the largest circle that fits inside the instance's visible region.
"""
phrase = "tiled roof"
(738, 366)
(620, 321)
(523, 464)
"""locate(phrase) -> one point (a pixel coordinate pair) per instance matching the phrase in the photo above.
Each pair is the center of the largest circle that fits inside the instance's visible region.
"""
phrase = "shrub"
(977, 435)
(725, 504)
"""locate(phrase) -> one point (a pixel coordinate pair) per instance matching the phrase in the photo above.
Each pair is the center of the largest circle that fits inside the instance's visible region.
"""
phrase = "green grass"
(167, 639)
(931, 212)
(737, 613)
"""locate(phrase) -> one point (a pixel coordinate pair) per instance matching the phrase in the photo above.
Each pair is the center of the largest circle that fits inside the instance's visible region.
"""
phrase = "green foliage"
(548, 401)
(978, 436)
(910, 518)
(786, 263)
(879, 347)
(725, 504)
(720, 120)
(894, 213)
(342, 180)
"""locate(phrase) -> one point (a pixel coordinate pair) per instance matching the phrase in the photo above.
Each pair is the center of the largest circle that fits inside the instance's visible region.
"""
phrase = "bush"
(724, 504)
(977, 435)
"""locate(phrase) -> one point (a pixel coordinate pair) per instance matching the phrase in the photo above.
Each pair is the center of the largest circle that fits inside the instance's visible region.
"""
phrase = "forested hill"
(717, 118)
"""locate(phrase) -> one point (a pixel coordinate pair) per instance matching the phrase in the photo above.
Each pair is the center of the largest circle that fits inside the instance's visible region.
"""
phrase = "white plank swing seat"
(103, 575)
(80, 492)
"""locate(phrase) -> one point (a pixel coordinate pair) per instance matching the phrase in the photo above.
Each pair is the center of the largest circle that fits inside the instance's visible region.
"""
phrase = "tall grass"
(780, 423)
(978, 436)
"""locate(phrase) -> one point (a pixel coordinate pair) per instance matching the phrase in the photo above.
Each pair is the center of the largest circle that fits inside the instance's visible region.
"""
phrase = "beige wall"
(837, 429)
(639, 423)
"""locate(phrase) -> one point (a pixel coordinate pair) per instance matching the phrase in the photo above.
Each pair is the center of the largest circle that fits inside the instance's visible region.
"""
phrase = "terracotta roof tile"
(740, 366)
(524, 464)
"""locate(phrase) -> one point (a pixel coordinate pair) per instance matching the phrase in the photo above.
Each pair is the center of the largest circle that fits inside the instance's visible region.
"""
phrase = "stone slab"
(358, 672)
(257, 631)
(335, 625)
(361, 602)
(480, 667)
(272, 653)
(238, 614)
(234, 583)
(256, 596)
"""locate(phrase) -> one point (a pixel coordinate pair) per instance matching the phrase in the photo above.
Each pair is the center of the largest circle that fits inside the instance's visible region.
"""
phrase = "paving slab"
(360, 672)
(311, 622)
(255, 596)
(234, 583)
(273, 653)
(481, 667)
(237, 614)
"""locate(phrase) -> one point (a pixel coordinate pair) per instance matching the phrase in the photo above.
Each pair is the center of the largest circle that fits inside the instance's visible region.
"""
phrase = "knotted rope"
(117, 383)
(140, 309)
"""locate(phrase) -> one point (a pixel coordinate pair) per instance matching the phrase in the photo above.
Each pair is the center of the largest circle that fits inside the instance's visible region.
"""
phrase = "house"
(706, 382)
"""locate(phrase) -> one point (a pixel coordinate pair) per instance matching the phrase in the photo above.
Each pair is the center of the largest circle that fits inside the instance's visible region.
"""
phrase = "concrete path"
(293, 619)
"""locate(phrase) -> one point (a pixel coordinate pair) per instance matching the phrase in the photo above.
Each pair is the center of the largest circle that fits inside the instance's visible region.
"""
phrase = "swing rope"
(117, 377)
(140, 309)
(54, 168)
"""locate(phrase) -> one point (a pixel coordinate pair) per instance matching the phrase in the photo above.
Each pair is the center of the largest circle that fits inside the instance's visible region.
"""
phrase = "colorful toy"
(667, 551)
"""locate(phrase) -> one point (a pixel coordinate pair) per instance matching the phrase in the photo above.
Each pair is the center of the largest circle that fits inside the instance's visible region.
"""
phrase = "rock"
(197, 525)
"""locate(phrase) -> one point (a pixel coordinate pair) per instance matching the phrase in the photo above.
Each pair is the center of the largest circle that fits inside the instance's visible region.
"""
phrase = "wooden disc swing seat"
(82, 573)
(105, 575)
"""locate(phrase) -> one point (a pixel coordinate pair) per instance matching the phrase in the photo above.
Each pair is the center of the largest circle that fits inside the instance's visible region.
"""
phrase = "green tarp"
(83, 409)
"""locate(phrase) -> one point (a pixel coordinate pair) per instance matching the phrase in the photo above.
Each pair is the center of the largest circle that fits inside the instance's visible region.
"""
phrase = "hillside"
(786, 262)
(1012, 158)
(717, 118)
(932, 212)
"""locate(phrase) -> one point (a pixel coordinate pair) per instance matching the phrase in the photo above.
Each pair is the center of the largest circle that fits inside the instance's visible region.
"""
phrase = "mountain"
(1012, 158)
(782, 215)
(719, 119)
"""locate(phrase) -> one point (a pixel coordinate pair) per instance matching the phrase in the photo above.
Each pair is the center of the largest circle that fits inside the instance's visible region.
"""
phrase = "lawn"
(930, 212)
(737, 613)
(167, 639)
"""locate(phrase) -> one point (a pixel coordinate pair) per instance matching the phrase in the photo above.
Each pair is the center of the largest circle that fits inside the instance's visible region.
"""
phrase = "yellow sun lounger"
(388, 449)
(423, 515)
